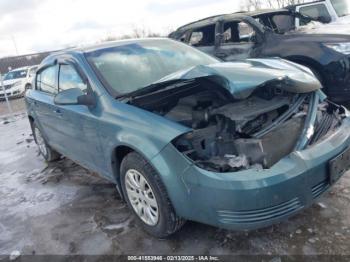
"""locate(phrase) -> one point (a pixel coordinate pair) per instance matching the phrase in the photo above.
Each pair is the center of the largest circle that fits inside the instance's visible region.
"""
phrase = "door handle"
(57, 111)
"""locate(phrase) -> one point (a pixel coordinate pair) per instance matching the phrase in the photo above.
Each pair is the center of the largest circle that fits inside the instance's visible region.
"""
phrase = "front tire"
(147, 197)
(45, 150)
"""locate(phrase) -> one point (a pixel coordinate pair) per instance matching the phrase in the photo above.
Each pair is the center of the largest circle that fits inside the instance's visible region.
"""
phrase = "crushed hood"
(241, 78)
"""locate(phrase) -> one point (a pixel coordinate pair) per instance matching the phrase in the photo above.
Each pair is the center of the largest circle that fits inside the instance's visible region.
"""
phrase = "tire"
(45, 150)
(28, 86)
(163, 220)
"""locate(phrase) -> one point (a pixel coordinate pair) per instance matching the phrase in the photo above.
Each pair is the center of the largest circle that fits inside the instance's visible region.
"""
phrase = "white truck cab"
(326, 10)
(17, 81)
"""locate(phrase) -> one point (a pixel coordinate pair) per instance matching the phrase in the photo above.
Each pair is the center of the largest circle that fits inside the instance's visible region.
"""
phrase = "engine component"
(250, 108)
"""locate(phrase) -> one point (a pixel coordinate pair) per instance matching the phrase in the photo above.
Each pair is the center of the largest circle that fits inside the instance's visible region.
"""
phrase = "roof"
(76, 51)
(308, 2)
(109, 44)
(231, 16)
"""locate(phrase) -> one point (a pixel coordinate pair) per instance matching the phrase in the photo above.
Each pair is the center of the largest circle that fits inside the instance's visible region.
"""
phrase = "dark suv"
(272, 33)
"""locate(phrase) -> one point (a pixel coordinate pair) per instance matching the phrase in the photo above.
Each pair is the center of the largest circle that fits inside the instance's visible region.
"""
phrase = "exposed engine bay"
(230, 134)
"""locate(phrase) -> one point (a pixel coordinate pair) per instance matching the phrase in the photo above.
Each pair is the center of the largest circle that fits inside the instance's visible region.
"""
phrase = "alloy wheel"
(141, 197)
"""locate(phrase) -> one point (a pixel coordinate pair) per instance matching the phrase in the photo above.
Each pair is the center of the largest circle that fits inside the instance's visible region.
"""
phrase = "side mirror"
(74, 96)
(324, 19)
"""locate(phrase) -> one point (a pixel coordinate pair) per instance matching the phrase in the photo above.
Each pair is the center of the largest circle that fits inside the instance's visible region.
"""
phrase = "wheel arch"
(118, 154)
(31, 121)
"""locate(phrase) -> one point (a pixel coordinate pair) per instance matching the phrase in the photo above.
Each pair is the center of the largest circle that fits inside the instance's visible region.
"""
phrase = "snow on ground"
(61, 208)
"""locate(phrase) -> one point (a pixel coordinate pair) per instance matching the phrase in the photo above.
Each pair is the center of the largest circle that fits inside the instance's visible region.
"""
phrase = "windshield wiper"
(154, 88)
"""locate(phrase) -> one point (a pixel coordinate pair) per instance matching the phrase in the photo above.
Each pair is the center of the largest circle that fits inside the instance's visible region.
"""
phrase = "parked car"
(272, 34)
(17, 81)
(326, 10)
(186, 137)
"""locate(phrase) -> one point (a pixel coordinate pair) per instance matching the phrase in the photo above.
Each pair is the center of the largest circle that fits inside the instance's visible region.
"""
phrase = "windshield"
(16, 74)
(342, 7)
(131, 66)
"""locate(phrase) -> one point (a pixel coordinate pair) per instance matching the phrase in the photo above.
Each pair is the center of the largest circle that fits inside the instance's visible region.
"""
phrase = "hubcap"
(141, 197)
(41, 142)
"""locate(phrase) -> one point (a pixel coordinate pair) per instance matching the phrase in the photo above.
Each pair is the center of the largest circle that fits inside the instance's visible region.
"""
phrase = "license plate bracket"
(339, 165)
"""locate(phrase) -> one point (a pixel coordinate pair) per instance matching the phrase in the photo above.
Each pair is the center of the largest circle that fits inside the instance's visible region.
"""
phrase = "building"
(9, 63)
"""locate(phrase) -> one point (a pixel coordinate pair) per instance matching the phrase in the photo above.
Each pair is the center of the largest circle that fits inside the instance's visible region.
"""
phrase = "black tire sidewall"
(48, 154)
(164, 226)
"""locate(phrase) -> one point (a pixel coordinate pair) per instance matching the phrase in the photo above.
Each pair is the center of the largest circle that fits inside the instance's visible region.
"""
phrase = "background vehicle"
(326, 10)
(17, 81)
(184, 136)
(272, 34)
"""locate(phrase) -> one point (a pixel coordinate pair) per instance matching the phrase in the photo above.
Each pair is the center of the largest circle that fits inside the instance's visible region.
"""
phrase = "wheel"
(28, 86)
(147, 197)
(45, 150)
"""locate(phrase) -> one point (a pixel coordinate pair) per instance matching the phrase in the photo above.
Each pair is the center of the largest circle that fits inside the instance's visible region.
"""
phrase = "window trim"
(189, 32)
(40, 71)
(222, 26)
(79, 72)
(313, 5)
(56, 63)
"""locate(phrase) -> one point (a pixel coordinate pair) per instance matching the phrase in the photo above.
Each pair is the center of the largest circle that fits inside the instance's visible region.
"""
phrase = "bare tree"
(136, 32)
(250, 5)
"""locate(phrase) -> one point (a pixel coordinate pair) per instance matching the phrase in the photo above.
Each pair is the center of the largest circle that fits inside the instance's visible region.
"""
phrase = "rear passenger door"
(43, 105)
(238, 41)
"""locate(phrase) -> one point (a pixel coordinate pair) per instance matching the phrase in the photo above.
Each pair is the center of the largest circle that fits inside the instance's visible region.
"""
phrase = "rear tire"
(147, 197)
(45, 150)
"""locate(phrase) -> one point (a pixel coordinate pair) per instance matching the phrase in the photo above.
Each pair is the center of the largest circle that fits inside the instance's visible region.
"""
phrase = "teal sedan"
(184, 136)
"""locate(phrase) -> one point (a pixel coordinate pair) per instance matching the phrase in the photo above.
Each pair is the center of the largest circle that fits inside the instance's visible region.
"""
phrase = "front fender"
(137, 129)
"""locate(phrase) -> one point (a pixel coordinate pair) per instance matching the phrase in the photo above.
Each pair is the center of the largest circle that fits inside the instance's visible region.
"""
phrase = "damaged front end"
(260, 135)
(233, 132)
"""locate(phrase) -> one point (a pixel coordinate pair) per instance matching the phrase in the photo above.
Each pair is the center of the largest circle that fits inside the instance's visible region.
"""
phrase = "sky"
(28, 26)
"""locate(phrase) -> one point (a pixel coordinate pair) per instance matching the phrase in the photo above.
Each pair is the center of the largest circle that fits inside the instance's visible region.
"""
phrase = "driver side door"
(76, 127)
(238, 40)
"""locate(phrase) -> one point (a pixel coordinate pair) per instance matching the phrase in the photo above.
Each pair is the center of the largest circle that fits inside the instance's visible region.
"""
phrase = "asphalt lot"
(62, 208)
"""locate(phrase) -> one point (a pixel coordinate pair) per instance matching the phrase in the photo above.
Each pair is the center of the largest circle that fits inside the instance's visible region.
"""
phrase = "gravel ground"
(61, 208)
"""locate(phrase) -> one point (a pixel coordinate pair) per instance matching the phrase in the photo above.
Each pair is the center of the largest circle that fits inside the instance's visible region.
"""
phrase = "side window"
(69, 78)
(183, 38)
(46, 80)
(238, 32)
(204, 36)
(314, 11)
(284, 23)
